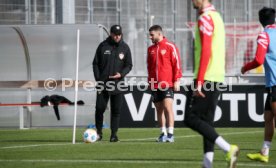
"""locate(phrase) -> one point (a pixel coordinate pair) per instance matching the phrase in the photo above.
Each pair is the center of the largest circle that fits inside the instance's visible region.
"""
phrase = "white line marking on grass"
(132, 162)
(128, 140)
(38, 145)
(144, 139)
(196, 135)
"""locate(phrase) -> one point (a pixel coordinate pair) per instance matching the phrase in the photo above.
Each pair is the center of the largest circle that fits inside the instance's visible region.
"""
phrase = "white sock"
(266, 144)
(225, 146)
(163, 130)
(266, 147)
(208, 159)
(170, 130)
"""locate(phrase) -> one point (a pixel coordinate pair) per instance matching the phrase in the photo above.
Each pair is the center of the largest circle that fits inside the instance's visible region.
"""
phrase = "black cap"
(116, 29)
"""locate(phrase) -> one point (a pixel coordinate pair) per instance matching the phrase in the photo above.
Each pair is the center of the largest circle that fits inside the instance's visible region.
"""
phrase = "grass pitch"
(137, 148)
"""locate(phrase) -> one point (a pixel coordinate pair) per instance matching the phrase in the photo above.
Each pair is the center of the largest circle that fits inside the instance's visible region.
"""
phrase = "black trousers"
(200, 112)
(115, 105)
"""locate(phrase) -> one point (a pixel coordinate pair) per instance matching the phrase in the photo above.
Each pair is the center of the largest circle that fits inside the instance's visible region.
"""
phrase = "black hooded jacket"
(110, 58)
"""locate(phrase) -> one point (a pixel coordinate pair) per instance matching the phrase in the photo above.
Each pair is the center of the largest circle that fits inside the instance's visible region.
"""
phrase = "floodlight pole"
(76, 86)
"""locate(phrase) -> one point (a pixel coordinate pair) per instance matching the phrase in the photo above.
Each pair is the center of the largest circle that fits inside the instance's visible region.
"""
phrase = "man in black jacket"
(111, 64)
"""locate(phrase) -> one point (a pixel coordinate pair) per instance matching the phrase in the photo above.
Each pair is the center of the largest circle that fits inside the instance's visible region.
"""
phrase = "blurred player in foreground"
(209, 74)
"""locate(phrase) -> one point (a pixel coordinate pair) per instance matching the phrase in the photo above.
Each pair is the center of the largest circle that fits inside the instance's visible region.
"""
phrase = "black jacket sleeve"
(96, 63)
(127, 63)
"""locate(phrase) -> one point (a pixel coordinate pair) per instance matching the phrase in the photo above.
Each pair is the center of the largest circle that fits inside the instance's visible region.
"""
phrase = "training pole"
(76, 86)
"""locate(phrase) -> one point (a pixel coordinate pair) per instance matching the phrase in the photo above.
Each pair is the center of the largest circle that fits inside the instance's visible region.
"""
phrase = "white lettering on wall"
(234, 99)
(179, 107)
(252, 108)
(137, 115)
(218, 114)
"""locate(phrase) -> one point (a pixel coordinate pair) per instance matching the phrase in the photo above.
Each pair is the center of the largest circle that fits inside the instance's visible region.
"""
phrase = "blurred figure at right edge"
(266, 54)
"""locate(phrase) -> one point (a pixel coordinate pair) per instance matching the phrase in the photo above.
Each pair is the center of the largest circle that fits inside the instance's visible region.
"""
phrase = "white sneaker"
(170, 138)
(162, 138)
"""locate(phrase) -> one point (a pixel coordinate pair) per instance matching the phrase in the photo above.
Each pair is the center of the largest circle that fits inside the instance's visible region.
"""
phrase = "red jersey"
(164, 67)
(263, 44)
(206, 28)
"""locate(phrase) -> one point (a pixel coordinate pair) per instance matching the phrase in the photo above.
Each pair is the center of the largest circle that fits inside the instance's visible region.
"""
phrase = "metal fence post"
(35, 11)
(118, 11)
(174, 21)
(222, 6)
(90, 10)
(146, 26)
(29, 109)
(27, 11)
(53, 11)
(249, 11)
(21, 117)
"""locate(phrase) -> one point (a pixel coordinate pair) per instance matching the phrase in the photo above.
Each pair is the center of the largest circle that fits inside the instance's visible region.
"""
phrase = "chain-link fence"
(136, 16)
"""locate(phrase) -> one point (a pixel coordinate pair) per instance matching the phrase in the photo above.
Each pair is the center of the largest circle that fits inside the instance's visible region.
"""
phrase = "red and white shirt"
(163, 64)
(263, 43)
(206, 28)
